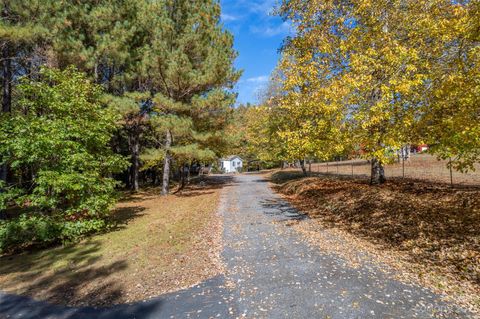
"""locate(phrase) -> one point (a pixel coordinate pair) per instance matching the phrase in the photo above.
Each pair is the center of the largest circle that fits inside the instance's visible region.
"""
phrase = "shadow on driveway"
(202, 301)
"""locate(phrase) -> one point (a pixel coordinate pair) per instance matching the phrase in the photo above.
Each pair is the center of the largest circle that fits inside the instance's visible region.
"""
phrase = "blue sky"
(258, 36)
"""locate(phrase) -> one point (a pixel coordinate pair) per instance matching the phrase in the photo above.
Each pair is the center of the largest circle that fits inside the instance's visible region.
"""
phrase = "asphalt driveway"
(271, 273)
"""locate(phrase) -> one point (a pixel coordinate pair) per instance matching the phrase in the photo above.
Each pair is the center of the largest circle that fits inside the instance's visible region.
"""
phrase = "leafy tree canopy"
(57, 143)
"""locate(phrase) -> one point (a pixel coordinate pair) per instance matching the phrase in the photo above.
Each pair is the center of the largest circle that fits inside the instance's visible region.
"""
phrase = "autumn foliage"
(377, 76)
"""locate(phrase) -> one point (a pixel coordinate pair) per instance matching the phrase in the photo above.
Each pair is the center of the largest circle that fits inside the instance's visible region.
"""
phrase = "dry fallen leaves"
(428, 233)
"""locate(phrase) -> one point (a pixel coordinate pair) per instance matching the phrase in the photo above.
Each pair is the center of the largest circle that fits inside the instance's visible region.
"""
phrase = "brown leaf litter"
(428, 233)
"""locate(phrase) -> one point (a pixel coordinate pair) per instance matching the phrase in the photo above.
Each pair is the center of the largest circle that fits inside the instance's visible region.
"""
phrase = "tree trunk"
(3, 173)
(166, 164)
(182, 177)
(6, 93)
(302, 165)
(378, 173)
(135, 161)
(6, 79)
(155, 177)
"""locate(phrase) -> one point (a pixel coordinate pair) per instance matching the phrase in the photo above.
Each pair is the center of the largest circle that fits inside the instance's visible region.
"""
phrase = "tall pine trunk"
(378, 172)
(134, 141)
(6, 92)
(6, 79)
(7, 74)
(166, 163)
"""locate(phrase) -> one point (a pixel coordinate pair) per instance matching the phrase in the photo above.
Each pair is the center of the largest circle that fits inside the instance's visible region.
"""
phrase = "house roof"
(231, 158)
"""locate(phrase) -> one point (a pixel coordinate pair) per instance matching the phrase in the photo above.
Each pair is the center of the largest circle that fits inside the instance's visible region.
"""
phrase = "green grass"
(157, 241)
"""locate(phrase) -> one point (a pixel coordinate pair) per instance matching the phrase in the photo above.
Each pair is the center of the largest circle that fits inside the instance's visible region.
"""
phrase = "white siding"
(227, 166)
(232, 166)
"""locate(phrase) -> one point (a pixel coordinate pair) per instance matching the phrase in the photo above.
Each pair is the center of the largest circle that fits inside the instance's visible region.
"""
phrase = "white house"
(231, 164)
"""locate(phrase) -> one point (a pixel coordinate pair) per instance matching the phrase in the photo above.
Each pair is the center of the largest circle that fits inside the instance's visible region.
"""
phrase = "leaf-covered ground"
(160, 244)
(429, 232)
(419, 166)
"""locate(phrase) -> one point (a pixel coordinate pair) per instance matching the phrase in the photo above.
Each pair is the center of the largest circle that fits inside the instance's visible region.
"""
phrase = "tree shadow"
(205, 185)
(140, 196)
(281, 209)
(62, 289)
(14, 307)
(60, 274)
(206, 296)
(122, 216)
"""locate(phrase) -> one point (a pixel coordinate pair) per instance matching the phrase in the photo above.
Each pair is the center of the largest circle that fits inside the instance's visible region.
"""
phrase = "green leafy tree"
(25, 26)
(56, 142)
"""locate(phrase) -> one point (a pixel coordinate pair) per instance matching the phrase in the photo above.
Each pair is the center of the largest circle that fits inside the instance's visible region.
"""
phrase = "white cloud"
(263, 6)
(228, 17)
(260, 8)
(270, 31)
(258, 79)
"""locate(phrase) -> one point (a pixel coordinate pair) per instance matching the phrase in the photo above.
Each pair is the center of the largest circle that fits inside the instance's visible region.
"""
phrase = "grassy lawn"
(160, 244)
(427, 231)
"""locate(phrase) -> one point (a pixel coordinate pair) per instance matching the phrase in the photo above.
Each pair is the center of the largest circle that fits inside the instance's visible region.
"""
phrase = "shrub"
(56, 143)
(26, 231)
(40, 230)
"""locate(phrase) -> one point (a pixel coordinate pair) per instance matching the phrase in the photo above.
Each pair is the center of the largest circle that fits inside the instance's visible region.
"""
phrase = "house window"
(234, 164)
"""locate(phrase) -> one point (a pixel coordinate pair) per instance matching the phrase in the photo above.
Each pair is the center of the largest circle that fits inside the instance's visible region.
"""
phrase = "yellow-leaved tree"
(450, 120)
(313, 124)
(392, 72)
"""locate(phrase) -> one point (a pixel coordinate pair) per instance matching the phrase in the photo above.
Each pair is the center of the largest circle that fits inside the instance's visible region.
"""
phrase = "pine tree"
(24, 27)
(175, 54)
(135, 124)
(189, 69)
(104, 39)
